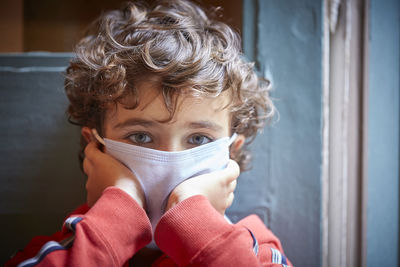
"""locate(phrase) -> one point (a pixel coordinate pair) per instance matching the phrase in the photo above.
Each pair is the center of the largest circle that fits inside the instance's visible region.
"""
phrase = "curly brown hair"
(177, 42)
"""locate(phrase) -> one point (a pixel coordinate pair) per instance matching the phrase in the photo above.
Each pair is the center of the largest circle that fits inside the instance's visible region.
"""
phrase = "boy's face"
(196, 121)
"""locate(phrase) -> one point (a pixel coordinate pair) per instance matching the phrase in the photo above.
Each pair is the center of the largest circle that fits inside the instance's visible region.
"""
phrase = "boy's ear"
(238, 143)
(87, 134)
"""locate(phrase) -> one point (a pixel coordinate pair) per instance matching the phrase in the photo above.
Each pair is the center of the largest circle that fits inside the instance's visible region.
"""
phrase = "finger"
(232, 185)
(91, 150)
(232, 171)
(230, 199)
(234, 167)
(87, 166)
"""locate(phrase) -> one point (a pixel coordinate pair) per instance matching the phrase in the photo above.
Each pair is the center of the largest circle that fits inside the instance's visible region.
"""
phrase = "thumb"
(232, 171)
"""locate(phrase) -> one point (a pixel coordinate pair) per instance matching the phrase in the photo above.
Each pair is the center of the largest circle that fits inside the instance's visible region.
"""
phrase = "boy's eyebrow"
(148, 123)
(135, 121)
(204, 124)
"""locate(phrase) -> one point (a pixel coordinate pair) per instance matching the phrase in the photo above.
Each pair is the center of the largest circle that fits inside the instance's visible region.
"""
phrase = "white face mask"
(159, 172)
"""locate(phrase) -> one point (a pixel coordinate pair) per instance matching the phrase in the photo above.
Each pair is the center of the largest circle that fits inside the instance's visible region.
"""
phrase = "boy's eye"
(140, 138)
(198, 140)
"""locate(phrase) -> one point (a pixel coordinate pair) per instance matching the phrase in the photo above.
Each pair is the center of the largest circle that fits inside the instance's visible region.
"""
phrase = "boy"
(164, 100)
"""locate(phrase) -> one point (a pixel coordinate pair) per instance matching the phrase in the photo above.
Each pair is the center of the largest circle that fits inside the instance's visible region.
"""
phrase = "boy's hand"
(104, 171)
(217, 186)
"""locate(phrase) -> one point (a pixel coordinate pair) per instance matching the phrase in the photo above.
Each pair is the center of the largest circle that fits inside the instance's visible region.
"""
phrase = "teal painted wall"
(39, 171)
(383, 134)
(284, 38)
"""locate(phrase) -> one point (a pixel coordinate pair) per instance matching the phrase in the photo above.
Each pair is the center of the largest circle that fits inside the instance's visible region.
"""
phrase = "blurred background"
(325, 175)
(56, 26)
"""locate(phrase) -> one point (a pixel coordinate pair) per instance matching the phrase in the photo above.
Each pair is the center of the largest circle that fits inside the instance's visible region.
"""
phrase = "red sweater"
(192, 233)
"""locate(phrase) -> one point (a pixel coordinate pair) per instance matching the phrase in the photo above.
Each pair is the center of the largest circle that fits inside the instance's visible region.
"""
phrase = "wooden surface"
(55, 26)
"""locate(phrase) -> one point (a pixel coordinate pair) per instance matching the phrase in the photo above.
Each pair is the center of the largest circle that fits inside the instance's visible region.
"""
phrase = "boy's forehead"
(152, 105)
(215, 104)
(150, 90)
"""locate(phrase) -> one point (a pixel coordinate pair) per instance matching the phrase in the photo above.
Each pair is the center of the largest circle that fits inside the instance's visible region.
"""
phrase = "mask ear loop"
(97, 136)
(232, 139)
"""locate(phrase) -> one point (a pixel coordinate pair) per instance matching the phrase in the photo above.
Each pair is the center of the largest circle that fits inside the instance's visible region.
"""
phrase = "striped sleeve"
(193, 233)
(110, 232)
(278, 258)
(270, 251)
(44, 251)
(71, 222)
(51, 246)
